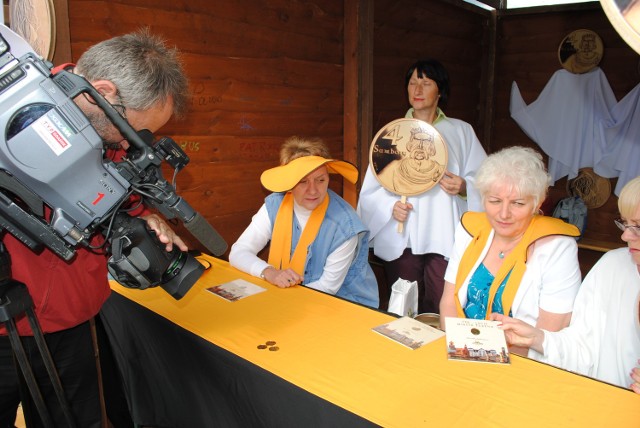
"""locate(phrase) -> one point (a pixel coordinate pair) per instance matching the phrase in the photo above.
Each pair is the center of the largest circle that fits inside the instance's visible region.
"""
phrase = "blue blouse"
(478, 294)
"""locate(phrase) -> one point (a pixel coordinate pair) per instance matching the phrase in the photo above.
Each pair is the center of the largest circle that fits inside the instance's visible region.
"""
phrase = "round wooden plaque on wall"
(581, 51)
(593, 189)
(35, 21)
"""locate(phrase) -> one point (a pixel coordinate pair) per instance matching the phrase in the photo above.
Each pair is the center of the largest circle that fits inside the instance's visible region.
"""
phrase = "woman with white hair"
(603, 340)
(509, 259)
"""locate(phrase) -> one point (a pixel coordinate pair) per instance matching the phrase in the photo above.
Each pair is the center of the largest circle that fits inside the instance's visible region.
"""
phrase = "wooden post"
(358, 87)
(62, 52)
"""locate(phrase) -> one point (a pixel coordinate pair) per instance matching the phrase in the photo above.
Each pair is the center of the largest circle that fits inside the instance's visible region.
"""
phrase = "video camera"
(51, 156)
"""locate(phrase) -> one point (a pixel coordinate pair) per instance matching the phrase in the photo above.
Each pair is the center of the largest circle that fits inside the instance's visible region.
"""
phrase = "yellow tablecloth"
(326, 346)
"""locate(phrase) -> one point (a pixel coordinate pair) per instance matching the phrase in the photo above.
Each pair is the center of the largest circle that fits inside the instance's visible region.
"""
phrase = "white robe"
(431, 224)
(622, 136)
(565, 120)
(603, 339)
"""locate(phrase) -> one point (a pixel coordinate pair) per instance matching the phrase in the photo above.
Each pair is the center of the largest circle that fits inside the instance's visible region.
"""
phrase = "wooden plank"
(260, 72)
(209, 95)
(527, 54)
(225, 36)
(62, 52)
(265, 123)
(273, 71)
(601, 246)
(358, 79)
(487, 92)
(410, 30)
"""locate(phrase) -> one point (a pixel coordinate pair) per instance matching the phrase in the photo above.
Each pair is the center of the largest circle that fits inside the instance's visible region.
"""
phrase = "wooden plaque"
(581, 51)
(35, 21)
(408, 156)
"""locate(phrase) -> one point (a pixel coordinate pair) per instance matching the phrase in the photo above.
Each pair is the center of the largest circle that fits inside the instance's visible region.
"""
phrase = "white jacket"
(603, 339)
(551, 281)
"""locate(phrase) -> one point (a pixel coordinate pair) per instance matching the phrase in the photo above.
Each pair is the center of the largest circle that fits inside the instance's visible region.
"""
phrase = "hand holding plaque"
(408, 157)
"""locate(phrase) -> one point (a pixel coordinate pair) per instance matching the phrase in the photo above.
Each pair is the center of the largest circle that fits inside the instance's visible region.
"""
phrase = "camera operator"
(144, 80)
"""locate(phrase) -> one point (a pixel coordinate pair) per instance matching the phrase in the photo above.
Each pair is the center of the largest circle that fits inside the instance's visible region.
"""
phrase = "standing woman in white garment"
(421, 251)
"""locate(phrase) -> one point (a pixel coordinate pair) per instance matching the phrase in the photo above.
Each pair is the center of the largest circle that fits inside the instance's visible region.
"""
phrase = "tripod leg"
(51, 369)
(29, 378)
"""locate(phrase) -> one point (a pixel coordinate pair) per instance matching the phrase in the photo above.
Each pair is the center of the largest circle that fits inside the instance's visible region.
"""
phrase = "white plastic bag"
(404, 298)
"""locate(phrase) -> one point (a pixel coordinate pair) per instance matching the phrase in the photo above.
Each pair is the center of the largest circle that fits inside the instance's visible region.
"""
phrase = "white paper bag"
(404, 298)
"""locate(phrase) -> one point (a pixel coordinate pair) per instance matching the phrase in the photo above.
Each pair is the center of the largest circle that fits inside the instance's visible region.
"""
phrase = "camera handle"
(15, 301)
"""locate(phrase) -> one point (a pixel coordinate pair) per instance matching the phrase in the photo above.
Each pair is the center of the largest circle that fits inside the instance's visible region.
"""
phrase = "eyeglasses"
(120, 108)
(635, 229)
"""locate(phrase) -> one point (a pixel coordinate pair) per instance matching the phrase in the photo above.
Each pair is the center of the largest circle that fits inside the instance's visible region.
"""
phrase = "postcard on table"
(476, 340)
(236, 290)
(409, 332)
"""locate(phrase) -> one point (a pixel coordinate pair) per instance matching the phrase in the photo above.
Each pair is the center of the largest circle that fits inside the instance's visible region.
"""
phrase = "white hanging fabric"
(566, 119)
(622, 134)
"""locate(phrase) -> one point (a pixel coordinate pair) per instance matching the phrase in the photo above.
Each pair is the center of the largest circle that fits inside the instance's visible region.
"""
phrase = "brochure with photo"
(476, 340)
(409, 332)
(236, 290)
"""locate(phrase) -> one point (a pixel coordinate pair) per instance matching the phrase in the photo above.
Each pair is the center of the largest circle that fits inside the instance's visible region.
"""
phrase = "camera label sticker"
(54, 132)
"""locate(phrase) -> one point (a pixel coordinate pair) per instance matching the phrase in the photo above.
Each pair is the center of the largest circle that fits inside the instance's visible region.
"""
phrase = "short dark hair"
(435, 71)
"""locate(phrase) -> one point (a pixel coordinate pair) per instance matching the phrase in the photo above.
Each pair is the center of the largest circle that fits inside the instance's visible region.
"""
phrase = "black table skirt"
(174, 378)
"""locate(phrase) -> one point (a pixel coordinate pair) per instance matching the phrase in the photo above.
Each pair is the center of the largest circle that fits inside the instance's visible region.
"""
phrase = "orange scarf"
(478, 226)
(280, 250)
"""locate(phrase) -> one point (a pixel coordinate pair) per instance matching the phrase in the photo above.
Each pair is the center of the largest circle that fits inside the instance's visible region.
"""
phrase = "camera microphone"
(161, 194)
(207, 235)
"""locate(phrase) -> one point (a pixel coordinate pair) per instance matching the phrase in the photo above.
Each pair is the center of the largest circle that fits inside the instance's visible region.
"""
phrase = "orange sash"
(280, 249)
(478, 226)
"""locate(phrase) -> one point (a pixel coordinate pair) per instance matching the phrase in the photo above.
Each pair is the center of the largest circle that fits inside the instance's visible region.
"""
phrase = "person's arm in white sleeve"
(375, 204)
(472, 159)
(244, 252)
(336, 267)
(574, 347)
(561, 280)
(447, 301)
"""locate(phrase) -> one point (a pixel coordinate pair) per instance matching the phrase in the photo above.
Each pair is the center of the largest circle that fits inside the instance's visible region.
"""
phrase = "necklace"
(502, 253)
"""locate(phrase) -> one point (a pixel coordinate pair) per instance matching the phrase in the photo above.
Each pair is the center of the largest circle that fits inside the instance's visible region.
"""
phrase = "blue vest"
(340, 224)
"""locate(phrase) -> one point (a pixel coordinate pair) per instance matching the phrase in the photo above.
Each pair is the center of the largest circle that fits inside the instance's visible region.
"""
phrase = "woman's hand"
(453, 184)
(163, 231)
(519, 333)
(635, 375)
(401, 211)
(282, 278)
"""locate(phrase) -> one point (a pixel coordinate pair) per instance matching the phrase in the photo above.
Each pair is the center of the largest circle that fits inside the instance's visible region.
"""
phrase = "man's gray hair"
(144, 70)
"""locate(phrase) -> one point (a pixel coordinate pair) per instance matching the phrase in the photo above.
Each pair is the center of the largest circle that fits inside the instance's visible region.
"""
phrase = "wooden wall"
(484, 55)
(263, 70)
(527, 51)
(457, 36)
(260, 71)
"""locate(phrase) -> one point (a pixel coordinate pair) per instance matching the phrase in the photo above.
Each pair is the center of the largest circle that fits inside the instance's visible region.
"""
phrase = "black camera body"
(139, 260)
(51, 156)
